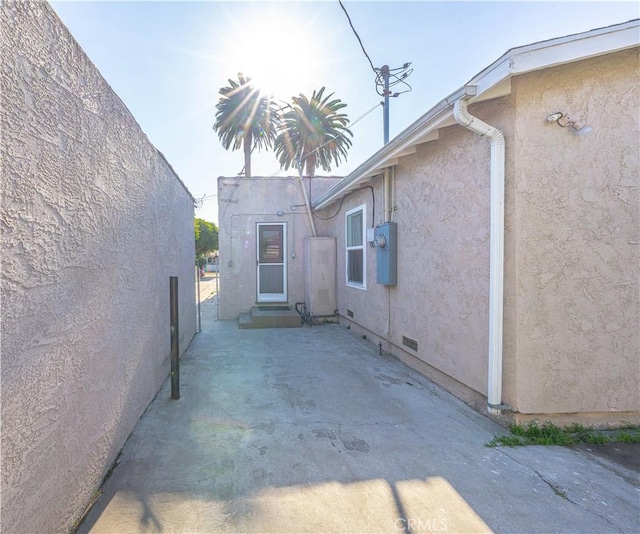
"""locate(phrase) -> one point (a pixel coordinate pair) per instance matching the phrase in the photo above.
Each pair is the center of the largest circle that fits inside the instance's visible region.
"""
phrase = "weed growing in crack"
(550, 434)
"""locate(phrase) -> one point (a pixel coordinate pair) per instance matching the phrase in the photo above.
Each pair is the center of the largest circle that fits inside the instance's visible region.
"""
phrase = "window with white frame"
(355, 245)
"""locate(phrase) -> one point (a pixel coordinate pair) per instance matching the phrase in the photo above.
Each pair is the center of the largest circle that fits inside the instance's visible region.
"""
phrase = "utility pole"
(384, 72)
(383, 88)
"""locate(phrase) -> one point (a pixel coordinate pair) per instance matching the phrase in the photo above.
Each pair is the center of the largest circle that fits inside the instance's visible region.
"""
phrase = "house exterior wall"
(94, 221)
(571, 268)
(577, 259)
(441, 299)
(245, 202)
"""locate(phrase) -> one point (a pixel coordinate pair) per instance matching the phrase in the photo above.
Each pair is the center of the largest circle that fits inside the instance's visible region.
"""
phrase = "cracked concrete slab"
(311, 430)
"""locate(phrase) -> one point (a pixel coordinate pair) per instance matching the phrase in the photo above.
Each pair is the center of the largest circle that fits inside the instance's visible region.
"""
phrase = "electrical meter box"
(387, 254)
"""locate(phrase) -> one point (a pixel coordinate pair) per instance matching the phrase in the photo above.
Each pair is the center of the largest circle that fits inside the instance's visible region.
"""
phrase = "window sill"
(361, 287)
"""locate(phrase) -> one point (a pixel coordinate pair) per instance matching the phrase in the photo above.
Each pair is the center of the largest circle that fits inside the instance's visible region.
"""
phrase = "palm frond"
(313, 132)
(244, 114)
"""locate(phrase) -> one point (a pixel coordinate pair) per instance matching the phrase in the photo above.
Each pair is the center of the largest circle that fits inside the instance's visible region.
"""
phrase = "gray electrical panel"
(387, 254)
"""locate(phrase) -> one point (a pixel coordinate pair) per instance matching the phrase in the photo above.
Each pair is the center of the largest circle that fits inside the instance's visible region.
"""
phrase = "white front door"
(272, 262)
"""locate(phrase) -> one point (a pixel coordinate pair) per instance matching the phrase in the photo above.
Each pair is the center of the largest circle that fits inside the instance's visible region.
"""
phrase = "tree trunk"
(247, 154)
(311, 165)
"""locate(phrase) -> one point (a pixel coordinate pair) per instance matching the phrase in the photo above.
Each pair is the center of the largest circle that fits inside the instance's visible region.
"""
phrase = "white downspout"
(496, 262)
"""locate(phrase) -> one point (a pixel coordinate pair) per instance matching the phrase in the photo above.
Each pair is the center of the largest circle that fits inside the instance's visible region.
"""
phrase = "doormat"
(274, 308)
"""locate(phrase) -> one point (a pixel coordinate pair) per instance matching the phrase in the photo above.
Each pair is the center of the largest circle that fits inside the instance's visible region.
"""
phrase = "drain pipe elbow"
(496, 262)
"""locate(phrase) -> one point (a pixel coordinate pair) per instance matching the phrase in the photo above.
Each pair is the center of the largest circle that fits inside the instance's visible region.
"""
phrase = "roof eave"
(390, 152)
(491, 82)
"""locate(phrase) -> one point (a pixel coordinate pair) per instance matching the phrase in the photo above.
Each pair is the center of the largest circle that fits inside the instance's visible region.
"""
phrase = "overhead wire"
(383, 74)
(373, 203)
(361, 117)
(275, 173)
(280, 170)
(357, 36)
(340, 134)
(235, 185)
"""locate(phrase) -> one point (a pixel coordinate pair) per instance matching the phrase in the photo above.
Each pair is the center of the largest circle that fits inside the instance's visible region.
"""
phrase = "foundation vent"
(411, 343)
(349, 313)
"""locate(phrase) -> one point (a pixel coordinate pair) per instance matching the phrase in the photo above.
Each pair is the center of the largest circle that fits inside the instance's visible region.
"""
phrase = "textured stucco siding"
(572, 266)
(94, 221)
(359, 306)
(578, 265)
(245, 202)
(441, 299)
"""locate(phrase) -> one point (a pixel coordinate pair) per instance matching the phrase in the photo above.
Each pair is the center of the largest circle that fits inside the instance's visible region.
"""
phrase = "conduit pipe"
(496, 261)
(387, 195)
(392, 207)
(306, 201)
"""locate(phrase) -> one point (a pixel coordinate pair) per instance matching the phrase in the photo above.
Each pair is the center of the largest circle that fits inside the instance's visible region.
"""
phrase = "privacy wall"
(94, 222)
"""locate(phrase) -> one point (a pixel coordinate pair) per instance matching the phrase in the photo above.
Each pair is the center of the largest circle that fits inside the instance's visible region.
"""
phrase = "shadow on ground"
(310, 429)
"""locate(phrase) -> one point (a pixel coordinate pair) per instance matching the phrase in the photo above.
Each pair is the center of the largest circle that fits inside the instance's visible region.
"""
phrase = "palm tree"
(246, 118)
(313, 133)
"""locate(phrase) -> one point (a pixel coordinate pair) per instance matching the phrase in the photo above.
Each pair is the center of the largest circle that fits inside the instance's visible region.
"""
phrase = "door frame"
(272, 297)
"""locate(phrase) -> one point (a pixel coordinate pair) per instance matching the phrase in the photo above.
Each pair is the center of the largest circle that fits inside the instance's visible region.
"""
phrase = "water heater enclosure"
(387, 254)
(320, 276)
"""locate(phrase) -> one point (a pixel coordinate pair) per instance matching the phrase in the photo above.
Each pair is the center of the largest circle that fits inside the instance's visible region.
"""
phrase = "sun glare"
(273, 48)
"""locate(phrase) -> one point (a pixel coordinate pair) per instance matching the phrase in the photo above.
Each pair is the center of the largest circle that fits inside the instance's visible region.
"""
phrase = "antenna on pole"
(385, 79)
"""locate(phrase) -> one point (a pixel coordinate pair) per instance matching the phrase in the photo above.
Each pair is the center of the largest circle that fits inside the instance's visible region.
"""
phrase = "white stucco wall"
(245, 202)
(94, 221)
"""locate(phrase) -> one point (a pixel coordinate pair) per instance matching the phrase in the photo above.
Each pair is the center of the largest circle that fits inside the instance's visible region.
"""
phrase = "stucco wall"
(94, 221)
(244, 202)
(578, 265)
(442, 211)
(572, 265)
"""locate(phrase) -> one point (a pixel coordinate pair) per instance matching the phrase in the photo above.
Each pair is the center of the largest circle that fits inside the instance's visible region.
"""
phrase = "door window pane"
(271, 279)
(271, 250)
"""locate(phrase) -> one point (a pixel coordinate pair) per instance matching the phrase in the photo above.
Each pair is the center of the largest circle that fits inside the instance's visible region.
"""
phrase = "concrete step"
(245, 320)
(270, 317)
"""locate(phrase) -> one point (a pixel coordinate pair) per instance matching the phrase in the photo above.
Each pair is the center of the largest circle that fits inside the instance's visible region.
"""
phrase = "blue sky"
(167, 61)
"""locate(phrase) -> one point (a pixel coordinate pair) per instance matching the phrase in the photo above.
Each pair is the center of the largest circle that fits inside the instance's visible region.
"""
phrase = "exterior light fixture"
(579, 128)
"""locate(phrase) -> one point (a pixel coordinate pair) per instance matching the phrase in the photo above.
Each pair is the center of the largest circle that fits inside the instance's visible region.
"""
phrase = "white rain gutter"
(496, 262)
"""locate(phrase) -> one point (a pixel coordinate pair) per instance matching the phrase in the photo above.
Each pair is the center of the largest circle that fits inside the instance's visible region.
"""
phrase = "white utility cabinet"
(320, 276)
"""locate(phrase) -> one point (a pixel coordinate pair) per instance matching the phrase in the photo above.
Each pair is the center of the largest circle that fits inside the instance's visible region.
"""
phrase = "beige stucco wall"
(442, 211)
(244, 202)
(571, 249)
(577, 259)
(94, 221)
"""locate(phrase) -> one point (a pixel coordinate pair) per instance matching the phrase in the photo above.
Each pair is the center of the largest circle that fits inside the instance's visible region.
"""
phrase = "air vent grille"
(349, 313)
(411, 343)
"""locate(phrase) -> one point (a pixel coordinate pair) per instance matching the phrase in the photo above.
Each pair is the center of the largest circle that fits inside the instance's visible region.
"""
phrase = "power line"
(340, 134)
(357, 36)
(395, 76)
(385, 78)
(280, 170)
(235, 185)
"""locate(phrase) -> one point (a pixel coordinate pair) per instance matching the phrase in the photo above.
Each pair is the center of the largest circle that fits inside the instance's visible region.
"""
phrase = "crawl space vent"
(411, 343)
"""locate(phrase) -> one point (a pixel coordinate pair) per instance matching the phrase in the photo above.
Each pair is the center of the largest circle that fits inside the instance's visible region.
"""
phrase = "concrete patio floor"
(311, 430)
